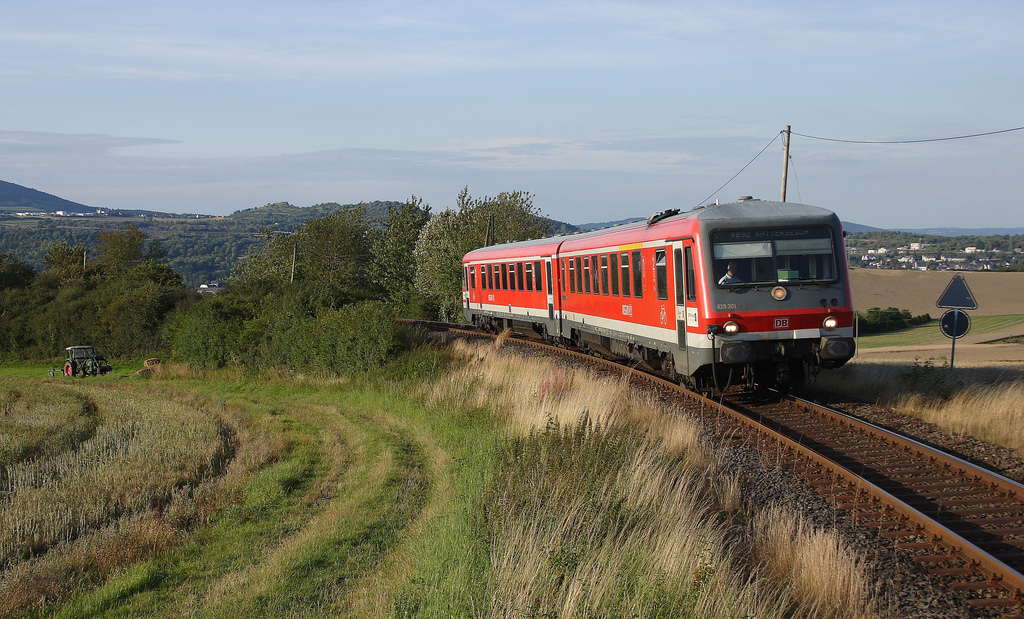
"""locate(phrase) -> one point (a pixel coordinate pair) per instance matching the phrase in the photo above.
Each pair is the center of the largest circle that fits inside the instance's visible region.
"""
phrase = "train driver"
(730, 275)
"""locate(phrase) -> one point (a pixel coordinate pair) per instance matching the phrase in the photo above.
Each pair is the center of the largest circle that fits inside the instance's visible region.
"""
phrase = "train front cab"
(778, 299)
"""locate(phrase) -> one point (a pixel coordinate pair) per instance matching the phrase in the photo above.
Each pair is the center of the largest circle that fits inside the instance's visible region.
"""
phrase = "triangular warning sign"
(957, 295)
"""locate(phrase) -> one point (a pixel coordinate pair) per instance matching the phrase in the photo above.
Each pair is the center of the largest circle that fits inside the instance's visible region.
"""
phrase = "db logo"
(782, 323)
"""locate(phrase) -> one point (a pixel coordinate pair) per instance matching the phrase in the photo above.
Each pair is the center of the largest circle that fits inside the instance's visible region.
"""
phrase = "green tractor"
(85, 361)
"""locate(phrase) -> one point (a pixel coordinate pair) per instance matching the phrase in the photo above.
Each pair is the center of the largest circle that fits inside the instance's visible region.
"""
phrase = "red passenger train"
(751, 291)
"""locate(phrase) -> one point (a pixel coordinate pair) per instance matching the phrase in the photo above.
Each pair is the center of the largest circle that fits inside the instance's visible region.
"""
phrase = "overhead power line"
(955, 137)
(741, 169)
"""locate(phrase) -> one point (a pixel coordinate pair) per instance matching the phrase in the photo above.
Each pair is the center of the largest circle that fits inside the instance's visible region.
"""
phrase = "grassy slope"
(368, 505)
(377, 505)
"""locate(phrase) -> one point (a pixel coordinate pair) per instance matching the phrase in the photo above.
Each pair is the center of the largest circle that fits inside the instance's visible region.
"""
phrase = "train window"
(511, 276)
(604, 274)
(472, 277)
(561, 268)
(529, 276)
(465, 278)
(774, 256)
(691, 276)
(595, 274)
(547, 268)
(661, 273)
(519, 274)
(537, 277)
(504, 276)
(494, 278)
(586, 273)
(614, 273)
(579, 275)
(572, 275)
(638, 275)
(625, 274)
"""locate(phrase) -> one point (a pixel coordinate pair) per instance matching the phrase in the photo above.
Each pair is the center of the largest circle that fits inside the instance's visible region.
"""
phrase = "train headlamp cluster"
(779, 293)
(830, 323)
(731, 328)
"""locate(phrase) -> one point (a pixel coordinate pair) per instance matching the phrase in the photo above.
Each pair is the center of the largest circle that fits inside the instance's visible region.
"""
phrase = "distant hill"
(17, 198)
(964, 231)
(607, 224)
(849, 226)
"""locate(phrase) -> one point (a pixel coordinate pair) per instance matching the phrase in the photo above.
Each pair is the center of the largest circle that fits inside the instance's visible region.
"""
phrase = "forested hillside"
(201, 249)
(322, 295)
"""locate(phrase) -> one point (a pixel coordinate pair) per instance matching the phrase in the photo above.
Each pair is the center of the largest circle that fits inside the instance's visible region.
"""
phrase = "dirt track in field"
(917, 291)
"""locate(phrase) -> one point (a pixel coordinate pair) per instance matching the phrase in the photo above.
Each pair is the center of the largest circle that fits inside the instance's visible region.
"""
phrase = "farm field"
(917, 291)
(439, 486)
(998, 319)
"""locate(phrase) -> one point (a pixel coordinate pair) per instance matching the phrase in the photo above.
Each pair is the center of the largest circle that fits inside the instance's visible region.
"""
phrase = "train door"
(550, 290)
(685, 279)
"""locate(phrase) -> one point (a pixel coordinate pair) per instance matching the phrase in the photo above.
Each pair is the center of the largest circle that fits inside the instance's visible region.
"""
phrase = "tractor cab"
(85, 361)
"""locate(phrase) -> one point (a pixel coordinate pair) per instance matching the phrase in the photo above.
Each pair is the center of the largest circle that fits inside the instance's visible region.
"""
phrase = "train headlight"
(779, 293)
(830, 323)
(731, 328)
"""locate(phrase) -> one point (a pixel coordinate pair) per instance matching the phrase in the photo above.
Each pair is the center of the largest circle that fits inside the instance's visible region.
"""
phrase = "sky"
(601, 110)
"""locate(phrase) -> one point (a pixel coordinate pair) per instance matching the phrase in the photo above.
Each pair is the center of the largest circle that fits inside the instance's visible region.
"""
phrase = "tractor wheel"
(69, 369)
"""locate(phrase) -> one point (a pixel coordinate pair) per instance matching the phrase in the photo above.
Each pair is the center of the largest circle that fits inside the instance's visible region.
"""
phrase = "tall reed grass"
(608, 503)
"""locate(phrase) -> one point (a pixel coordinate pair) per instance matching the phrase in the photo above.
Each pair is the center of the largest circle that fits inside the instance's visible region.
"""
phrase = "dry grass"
(987, 403)
(993, 413)
(821, 576)
(609, 503)
(153, 467)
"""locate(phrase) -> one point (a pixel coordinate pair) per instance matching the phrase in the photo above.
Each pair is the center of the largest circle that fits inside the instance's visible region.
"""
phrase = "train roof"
(753, 213)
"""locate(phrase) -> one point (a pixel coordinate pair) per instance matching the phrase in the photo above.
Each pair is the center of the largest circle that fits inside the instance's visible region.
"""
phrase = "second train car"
(753, 291)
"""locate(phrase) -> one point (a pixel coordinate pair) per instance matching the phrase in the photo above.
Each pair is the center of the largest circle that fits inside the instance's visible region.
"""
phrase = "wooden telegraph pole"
(785, 161)
(292, 280)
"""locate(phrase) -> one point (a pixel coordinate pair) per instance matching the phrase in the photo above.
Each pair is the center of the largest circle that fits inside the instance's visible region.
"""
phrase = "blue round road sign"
(955, 323)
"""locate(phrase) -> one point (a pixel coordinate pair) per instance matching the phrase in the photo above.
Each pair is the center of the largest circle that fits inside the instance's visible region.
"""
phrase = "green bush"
(354, 338)
(878, 320)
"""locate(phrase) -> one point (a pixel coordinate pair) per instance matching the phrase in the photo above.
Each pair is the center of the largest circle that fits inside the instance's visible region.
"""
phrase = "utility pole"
(84, 254)
(785, 162)
(489, 235)
(292, 280)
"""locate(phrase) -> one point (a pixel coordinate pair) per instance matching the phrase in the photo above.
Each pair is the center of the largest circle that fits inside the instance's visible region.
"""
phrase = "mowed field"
(1000, 315)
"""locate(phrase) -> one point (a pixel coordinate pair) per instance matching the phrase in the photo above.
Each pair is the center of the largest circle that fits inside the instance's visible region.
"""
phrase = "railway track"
(956, 519)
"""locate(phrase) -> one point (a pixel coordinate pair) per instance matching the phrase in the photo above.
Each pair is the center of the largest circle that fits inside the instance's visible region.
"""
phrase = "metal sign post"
(956, 323)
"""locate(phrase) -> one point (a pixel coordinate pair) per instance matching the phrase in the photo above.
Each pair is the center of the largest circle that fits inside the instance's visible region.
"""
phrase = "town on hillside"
(933, 253)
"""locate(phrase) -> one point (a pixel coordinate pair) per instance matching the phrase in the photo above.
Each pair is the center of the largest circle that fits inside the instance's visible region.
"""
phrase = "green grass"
(929, 332)
(376, 502)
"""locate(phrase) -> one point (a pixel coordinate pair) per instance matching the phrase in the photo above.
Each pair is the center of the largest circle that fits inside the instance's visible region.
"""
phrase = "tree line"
(322, 295)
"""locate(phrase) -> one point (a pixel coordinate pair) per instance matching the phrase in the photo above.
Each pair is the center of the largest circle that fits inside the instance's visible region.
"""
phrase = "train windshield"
(780, 255)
